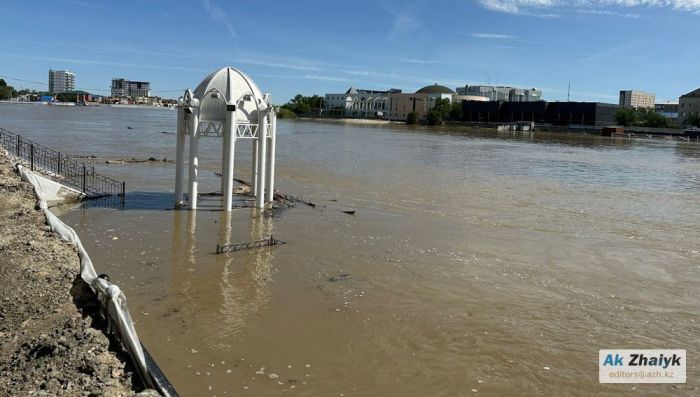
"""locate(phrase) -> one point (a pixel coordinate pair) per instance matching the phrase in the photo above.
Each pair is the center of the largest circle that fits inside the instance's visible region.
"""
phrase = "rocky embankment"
(51, 338)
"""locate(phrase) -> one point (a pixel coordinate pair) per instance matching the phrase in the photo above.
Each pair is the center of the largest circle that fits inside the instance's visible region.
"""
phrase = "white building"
(359, 103)
(631, 99)
(502, 93)
(61, 81)
(126, 88)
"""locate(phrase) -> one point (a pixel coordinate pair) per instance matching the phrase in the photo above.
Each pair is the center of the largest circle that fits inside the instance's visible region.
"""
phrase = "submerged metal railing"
(268, 242)
(69, 172)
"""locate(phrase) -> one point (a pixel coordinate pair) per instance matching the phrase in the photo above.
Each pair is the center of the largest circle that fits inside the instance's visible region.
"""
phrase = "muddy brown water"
(480, 264)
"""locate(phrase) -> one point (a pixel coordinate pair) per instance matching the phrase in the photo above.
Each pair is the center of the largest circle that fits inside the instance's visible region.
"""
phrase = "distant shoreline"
(349, 121)
(105, 105)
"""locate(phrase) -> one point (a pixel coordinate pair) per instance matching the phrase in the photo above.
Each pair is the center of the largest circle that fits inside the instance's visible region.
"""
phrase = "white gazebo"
(227, 103)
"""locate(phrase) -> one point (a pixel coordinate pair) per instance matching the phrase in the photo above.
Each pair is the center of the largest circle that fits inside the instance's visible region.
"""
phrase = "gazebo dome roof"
(228, 85)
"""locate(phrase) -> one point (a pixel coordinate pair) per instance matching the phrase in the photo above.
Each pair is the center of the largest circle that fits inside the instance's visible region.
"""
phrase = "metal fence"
(69, 172)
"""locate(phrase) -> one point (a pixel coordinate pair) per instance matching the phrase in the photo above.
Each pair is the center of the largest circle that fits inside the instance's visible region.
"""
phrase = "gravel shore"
(51, 335)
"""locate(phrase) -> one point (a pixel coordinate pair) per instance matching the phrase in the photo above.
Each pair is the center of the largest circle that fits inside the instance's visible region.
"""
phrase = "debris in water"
(308, 365)
(349, 212)
(546, 368)
(340, 277)
(273, 376)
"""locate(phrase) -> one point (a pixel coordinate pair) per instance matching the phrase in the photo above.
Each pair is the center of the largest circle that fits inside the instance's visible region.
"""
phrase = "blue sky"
(308, 47)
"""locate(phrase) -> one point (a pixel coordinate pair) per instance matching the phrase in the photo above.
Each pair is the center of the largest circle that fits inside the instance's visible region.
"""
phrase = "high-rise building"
(126, 88)
(637, 99)
(501, 93)
(61, 81)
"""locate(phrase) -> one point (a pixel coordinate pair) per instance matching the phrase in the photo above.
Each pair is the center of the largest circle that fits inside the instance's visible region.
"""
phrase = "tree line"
(302, 105)
(650, 118)
(7, 91)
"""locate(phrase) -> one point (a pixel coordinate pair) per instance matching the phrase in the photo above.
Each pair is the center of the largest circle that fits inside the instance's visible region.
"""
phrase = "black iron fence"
(69, 172)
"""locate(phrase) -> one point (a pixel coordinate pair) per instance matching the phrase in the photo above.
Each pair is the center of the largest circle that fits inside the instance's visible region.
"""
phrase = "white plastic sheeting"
(55, 193)
(111, 297)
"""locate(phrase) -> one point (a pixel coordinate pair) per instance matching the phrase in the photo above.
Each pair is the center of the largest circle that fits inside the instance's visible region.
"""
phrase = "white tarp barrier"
(111, 297)
(55, 193)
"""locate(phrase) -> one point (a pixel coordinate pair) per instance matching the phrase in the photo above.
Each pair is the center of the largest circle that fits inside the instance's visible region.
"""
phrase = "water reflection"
(245, 290)
(243, 277)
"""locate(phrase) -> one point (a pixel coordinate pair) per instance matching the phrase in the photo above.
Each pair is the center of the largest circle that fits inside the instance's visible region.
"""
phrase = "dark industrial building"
(481, 111)
(523, 111)
(555, 113)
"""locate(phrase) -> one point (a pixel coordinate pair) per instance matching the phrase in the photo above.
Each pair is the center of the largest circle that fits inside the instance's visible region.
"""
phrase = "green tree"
(693, 121)
(6, 93)
(412, 118)
(304, 105)
(626, 117)
(434, 117)
(651, 118)
(3, 83)
(455, 111)
(440, 112)
(285, 113)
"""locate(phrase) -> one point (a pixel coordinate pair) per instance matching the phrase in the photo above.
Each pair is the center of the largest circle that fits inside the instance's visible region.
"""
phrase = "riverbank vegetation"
(642, 118)
(7, 91)
(302, 106)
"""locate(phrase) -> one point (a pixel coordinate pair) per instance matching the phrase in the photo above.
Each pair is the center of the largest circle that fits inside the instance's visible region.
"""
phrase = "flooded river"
(480, 264)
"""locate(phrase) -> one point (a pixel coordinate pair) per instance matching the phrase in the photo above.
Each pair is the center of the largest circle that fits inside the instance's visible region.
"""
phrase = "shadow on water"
(160, 201)
(134, 201)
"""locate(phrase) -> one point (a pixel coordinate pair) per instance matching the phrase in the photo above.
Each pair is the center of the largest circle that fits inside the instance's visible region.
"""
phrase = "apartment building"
(61, 81)
(631, 99)
(122, 88)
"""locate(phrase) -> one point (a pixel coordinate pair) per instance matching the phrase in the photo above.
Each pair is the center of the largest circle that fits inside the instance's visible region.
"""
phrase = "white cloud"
(280, 65)
(404, 22)
(325, 78)
(218, 14)
(609, 13)
(535, 7)
(420, 61)
(492, 36)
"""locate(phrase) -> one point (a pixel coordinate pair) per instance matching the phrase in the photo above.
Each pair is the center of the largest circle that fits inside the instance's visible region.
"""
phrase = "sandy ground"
(51, 339)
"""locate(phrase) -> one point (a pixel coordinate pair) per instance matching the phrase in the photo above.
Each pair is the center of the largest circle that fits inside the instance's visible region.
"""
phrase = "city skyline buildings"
(395, 44)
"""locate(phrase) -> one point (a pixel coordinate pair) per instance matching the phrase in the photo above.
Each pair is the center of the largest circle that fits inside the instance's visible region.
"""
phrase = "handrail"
(62, 167)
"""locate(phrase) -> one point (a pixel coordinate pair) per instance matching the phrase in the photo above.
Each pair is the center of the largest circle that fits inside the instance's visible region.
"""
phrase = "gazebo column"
(261, 160)
(254, 170)
(271, 157)
(180, 156)
(229, 154)
(194, 161)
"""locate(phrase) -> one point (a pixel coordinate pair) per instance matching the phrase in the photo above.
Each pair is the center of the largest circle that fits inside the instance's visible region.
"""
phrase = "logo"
(641, 366)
